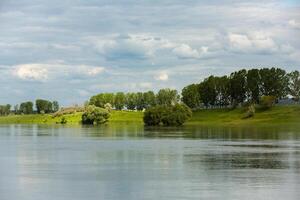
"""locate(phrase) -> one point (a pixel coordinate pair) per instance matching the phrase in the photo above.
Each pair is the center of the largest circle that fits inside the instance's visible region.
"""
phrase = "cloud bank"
(69, 50)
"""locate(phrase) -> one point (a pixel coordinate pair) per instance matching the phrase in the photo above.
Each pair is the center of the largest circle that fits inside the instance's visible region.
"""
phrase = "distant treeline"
(135, 101)
(239, 87)
(242, 86)
(42, 106)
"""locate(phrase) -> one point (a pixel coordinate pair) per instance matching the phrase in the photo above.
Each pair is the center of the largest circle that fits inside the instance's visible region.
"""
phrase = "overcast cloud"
(68, 50)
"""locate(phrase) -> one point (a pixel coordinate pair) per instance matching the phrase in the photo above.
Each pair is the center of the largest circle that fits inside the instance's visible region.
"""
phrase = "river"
(131, 162)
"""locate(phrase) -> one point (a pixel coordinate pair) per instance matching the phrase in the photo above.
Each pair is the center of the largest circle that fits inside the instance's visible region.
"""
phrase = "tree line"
(135, 101)
(42, 106)
(242, 86)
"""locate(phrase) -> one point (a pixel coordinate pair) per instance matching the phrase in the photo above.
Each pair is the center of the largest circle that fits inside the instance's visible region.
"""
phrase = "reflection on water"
(129, 161)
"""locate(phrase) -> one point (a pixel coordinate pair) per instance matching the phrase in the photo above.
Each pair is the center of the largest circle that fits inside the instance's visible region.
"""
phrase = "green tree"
(119, 100)
(95, 115)
(294, 84)
(140, 101)
(167, 97)
(191, 96)
(43, 106)
(150, 99)
(274, 82)
(5, 109)
(131, 101)
(253, 85)
(238, 86)
(208, 93)
(167, 115)
(222, 91)
(55, 106)
(101, 99)
(26, 107)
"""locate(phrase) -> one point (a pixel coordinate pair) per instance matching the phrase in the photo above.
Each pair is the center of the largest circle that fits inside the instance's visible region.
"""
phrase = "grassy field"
(116, 116)
(279, 115)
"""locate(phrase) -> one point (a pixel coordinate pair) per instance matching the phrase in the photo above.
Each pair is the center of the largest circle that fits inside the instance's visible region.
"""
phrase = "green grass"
(116, 116)
(278, 115)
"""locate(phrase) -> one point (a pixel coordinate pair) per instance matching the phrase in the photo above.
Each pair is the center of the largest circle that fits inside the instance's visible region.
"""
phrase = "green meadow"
(278, 115)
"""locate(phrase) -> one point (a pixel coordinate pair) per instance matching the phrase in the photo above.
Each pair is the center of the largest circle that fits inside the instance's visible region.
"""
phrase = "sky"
(69, 50)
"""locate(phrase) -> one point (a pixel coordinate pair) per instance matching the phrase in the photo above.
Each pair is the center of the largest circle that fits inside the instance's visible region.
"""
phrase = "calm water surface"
(128, 161)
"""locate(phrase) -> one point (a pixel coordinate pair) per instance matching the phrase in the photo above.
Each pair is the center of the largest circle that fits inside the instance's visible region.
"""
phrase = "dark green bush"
(95, 115)
(171, 115)
(153, 115)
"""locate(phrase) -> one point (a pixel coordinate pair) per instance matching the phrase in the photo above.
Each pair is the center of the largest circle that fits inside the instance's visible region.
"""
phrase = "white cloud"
(162, 76)
(185, 51)
(43, 71)
(255, 42)
(34, 72)
(294, 24)
(90, 70)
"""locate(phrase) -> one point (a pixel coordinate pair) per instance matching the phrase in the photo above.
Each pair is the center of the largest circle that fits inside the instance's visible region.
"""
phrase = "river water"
(130, 162)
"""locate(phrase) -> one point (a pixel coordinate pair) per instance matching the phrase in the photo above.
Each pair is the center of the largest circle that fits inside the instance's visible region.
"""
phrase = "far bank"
(278, 115)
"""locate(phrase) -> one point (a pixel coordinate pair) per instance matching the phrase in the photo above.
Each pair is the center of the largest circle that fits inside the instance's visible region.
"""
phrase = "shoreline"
(278, 115)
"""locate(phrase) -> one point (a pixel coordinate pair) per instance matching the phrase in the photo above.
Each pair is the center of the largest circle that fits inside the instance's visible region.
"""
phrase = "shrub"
(266, 102)
(95, 115)
(171, 115)
(153, 115)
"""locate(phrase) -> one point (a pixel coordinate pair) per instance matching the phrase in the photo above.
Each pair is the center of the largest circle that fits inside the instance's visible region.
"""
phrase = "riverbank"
(279, 115)
(116, 116)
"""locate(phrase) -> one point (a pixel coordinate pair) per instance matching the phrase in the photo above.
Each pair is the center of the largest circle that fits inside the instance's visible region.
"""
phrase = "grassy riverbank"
(278, 115)
(117, 116)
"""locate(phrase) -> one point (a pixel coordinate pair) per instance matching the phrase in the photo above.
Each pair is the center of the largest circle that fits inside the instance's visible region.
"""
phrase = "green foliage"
(26, 107)
(101, 99)
(167, 97)
(108, 107)
(43, 106)
(140, 101)
(150, 99)
(55, 106)
(294, 84)
(253, 85)
(274, 82)
(238, 86)
(153, 115)
(95, 115)
(267, 102)
(5, 109)
(167, 115)
(131, 101)
(191, 96)
(207, 91)
(119, 100)
(176, 115)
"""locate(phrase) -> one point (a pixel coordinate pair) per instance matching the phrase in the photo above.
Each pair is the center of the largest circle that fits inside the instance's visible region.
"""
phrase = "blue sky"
(68, 50)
